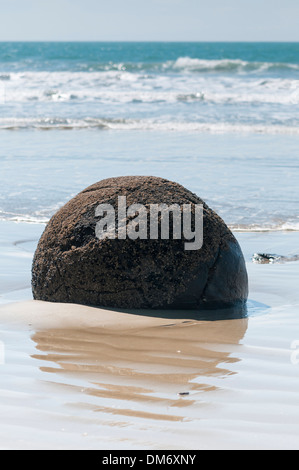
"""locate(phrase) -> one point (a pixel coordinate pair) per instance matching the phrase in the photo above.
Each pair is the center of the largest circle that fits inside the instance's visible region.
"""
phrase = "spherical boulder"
(101, 249)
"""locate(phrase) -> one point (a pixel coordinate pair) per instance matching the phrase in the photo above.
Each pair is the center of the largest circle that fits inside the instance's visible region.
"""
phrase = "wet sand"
(74, 377)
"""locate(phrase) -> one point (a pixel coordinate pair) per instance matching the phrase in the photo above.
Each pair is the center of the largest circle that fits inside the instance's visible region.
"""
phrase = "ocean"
(203, 87)
(221, 119)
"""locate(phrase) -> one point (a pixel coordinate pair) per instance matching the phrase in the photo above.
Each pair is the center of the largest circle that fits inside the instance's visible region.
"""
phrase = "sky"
(149, 20)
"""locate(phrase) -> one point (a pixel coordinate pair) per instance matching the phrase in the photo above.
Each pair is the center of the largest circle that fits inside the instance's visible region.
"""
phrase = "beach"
(219, 119)
(75, 377)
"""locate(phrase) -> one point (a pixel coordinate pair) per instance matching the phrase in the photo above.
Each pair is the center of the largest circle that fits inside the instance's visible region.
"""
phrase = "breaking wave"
(188, 64)
(116, 87)
(143, 124)
(228, 65)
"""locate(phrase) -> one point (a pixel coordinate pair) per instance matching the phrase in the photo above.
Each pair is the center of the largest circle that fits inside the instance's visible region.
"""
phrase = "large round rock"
(72, 264)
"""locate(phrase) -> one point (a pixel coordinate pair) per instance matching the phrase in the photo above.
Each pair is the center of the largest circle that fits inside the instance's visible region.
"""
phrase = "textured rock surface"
(72, 265)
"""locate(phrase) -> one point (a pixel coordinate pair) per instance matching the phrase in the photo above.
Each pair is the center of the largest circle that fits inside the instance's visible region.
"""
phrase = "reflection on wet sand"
(154, 371)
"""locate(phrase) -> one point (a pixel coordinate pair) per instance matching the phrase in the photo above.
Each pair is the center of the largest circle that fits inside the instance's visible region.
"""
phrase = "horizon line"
(145, 41)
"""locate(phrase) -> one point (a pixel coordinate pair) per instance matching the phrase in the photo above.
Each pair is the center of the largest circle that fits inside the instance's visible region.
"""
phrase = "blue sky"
(166, 20)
